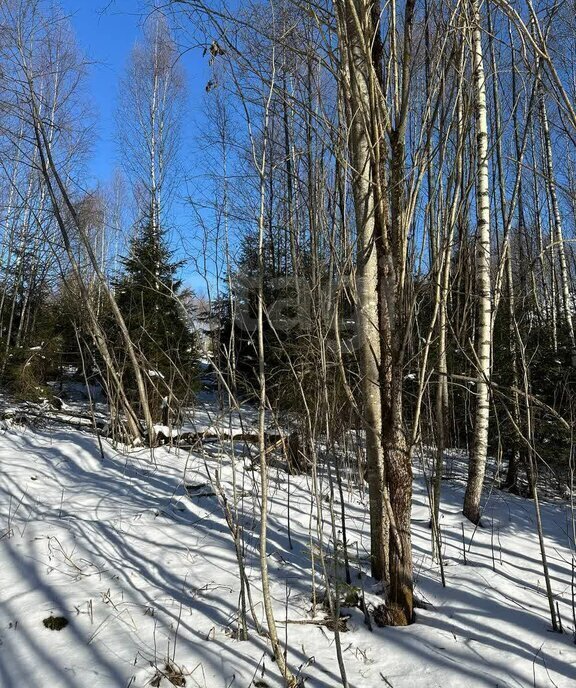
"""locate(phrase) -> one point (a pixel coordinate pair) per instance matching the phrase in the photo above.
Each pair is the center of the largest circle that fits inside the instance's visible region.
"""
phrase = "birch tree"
(477, 464)
(42, 70)
(151, 105)
(382, 226)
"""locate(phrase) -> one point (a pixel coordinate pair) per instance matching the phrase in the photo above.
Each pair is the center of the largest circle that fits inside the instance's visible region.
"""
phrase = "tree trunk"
(477, 465)
(357, 74)
(382, 276)
(557, 234)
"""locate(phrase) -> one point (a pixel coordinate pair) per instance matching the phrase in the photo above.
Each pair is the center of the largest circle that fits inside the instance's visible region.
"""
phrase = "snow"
(156, 373)
(134, 550)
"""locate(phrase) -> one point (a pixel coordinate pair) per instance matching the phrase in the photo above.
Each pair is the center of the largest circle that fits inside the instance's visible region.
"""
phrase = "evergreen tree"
(150, 297)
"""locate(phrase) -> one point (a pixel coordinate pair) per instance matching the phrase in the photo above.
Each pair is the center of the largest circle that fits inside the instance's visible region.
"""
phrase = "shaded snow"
(144, 568)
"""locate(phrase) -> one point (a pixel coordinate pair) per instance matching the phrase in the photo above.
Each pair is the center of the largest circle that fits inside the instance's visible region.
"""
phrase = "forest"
(326, 311)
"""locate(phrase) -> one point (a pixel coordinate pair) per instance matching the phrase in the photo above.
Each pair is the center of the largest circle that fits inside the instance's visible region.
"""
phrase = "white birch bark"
(557, 234)
(477, 464)
(355, 41)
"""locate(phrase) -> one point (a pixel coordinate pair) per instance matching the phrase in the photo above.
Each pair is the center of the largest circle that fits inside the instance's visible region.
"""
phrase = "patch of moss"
(351, 597)
(55, 623)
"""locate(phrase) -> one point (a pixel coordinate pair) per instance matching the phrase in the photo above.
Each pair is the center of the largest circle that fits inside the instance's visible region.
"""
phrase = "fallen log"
(191, 440)
(29, 415)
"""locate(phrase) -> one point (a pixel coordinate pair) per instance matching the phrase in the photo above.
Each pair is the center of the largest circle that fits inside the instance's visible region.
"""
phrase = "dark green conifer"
(150, 297)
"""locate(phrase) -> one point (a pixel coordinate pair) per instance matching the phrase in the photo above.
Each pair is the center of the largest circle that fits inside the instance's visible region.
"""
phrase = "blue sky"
(106, 31)
(106, 36)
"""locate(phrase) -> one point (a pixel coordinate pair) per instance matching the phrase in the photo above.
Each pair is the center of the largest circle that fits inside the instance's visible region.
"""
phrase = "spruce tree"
(150, 296)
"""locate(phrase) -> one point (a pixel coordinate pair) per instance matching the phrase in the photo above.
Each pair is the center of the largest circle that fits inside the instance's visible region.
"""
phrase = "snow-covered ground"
(144, 570)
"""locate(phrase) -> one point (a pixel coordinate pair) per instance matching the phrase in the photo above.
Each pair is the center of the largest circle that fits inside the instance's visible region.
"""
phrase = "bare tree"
(42, 73)
(151, 99)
